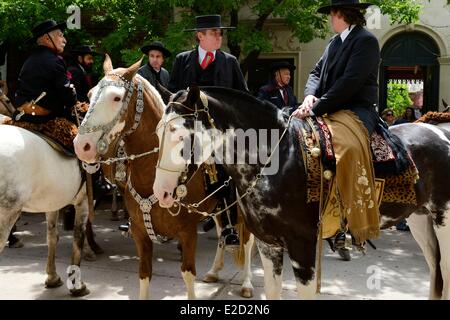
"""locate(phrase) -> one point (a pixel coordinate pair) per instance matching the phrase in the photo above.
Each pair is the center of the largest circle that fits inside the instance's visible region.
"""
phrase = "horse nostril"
(166, 194)
(87, 147)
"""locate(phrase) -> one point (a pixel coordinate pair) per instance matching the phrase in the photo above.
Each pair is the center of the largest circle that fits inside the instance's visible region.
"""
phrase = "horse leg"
(213, 274)
(247, 288)
(302, 253)
(91, 247)
(7, 220)
(443, 236)
(144, 247)
(421, 226)
(272, 261)
(53, 280)
(74, 283)
(188, 242)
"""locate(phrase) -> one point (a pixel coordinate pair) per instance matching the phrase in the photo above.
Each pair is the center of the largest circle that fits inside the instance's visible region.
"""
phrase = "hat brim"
(166, 53)
(62, 26)
(327, 9)
(291, 68)
(209, 28)
(93, 53)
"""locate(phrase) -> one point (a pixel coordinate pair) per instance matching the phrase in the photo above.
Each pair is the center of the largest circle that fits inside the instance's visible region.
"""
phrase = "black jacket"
(350, 80)
(271, 92)
(78, 77)
(149, 73)
(46, 71)
(227, 71)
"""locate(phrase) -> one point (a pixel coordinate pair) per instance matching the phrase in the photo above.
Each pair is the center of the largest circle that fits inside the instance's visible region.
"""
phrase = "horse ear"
(165, 94)
(107, 64)
(193, 95)
(131, 71)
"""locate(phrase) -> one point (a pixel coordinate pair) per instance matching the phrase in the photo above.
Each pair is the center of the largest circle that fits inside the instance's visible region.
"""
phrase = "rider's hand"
(304, 110)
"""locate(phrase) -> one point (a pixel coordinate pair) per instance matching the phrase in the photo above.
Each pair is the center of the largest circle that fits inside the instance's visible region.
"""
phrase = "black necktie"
(285, 96)
(334, 47)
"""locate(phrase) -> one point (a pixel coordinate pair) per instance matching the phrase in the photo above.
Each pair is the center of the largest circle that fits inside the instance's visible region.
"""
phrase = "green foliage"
(126, 24)
(398, 98)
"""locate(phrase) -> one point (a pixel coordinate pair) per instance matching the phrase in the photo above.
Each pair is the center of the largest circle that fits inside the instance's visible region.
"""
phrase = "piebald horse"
(124, 106)
(275, 207)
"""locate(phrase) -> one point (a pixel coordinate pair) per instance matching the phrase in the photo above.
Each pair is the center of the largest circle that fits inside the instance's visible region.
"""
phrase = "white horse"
(37, 178)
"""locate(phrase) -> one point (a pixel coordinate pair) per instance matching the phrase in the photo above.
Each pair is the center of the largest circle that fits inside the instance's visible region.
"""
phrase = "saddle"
(58, 133)
(395, 171)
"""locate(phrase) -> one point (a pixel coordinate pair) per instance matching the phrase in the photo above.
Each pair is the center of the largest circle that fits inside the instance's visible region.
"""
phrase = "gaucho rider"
(44, 76)
(343, 89)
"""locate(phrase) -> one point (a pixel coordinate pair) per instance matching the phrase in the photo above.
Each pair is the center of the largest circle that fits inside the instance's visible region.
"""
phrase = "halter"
(102, 144)
(181, 190)
(145, 204)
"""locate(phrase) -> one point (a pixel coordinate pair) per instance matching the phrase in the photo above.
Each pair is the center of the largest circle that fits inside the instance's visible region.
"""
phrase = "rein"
(194, 207)
(145, 204)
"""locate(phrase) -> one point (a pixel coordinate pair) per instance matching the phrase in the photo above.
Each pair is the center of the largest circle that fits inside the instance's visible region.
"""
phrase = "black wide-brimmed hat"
(281, 65)
(212, 21)
(343, 4)
(45, 27)
(83, 50)
(156, 45)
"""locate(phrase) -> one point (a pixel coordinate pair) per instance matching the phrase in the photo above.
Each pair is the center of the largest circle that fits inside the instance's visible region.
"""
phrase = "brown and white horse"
(124, 106)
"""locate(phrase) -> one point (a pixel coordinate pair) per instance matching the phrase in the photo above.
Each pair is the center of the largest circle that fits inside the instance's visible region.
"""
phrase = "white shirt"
(202, 53)
(344, 34)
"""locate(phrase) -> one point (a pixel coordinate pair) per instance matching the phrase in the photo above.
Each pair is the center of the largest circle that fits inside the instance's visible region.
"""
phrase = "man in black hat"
(278, 90)
(153, 71)
(343, 89)
(207, 65)
(45, 71)
(80, 71)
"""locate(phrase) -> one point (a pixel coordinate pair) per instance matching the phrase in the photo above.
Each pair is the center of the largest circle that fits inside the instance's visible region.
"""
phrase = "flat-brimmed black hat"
(343, 4)
(46, 27)
(83, 50)
(281, 65)
(156, 45)
(212, 21)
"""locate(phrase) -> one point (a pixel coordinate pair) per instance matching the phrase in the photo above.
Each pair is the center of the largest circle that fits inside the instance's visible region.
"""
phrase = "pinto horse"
(274, 205)
(37, 178)
(124, 106)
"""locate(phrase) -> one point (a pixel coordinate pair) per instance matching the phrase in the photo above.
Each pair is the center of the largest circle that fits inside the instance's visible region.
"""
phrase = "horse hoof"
(98, 250)
(89, 256)
(210, 278)
(345, 254)
(80, 292)
(247, 293)
(50, 284)
(16, 245)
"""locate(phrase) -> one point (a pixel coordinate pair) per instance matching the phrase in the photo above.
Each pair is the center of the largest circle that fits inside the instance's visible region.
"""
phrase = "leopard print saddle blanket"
(58, 133)
(392, 163)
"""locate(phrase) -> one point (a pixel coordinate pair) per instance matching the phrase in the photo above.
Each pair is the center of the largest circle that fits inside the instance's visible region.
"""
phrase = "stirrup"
(339, 241)
(229, 239)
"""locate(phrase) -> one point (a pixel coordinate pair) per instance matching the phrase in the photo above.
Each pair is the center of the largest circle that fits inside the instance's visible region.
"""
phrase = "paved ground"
(396, 270)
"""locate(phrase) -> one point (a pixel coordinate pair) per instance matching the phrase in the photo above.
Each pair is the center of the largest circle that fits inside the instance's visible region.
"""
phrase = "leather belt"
(33, 109)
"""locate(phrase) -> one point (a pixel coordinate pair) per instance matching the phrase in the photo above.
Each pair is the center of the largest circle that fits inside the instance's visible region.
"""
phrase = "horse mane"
(153, 93)
(251, 102)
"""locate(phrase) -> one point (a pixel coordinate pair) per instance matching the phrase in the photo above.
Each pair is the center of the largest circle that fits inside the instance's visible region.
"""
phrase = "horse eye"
(117, 99)
(172, 129)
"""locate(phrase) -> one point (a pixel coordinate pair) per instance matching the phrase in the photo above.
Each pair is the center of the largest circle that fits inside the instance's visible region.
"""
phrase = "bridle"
(181, 189)
(102, 144)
